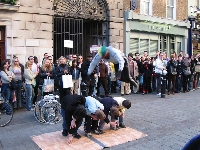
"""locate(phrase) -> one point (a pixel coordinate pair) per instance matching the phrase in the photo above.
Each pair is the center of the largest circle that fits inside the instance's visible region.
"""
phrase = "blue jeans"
(29, 92)
(178, 83)
(64, 124)
(190, 82)
(7, 93)
(18, 102)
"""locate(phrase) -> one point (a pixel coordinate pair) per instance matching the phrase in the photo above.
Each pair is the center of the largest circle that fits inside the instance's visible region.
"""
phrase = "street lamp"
(192, 21)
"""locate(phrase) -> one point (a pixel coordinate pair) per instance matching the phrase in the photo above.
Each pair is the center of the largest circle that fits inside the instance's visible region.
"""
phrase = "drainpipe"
(190, 49)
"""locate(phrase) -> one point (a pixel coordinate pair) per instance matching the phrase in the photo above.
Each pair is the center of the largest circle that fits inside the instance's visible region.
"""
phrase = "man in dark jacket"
(72, 106)
(103, 79)
(88, 80)
(110, 107)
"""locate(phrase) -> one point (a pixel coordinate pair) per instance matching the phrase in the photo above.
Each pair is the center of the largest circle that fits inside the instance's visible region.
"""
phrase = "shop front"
(147, 33)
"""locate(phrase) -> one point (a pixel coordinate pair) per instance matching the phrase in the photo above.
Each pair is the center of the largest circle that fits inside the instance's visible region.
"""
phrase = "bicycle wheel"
(6, 114)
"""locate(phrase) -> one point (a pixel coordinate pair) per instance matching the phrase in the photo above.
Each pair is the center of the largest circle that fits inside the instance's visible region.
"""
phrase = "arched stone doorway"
(85, 22)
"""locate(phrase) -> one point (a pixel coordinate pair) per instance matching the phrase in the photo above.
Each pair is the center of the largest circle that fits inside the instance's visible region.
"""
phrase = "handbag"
(12, 84)
(67, 81)
(197, 68)
(48, 85)
(187, 72)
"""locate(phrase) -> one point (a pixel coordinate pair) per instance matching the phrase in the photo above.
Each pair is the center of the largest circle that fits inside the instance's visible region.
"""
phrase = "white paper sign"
(68, 43)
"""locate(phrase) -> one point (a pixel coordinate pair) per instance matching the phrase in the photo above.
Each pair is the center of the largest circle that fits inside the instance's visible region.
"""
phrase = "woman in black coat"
(62, 69)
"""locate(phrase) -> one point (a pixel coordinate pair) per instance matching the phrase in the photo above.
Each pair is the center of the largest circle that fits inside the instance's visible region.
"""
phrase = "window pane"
(170, 12)
(153, 48)
(134, 45)
(178, 47)
(144, 45)
(170, 2)
(146, 10)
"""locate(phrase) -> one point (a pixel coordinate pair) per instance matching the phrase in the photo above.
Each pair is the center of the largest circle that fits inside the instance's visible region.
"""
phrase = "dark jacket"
(89, 80)
(69, 104)
(125, 73)
(179, 68)
(75, 75)
(171, 66)
(42, 75)
(192, 66)
(60, 71)
(103, 69)
(108, 102)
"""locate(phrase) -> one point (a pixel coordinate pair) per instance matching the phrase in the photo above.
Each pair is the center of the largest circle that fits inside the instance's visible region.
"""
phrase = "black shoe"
(65, 132)
(76, 135)
(100, 131)
(95, 132)
(122, 125)
(122, 94)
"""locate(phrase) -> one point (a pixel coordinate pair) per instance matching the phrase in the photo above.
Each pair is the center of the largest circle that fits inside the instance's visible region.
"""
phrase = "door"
(2, 43)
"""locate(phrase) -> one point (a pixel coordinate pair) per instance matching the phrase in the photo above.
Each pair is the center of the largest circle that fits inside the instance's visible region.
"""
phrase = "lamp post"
(192, 20)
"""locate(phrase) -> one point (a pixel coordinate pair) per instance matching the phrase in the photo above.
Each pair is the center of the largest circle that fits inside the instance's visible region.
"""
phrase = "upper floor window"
(171, 9)
(146, 7)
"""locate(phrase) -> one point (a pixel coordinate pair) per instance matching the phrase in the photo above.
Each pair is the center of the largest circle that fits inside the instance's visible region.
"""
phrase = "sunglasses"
(80, 58)
(16, 61)
(50, 59)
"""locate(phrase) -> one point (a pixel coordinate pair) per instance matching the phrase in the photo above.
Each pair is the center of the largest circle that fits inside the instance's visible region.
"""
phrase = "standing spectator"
(62, 69)
(160, 68)
(145, 54)
(147, 68)
(45, 57)
(75, 71)
(70, 58)
(89, 80)
(29, 80)
(6, 77)
(186, 66)
(103, 78)
(80, 61)
(153, 75)
(37, 80)
(16, 69)
(192, 75)
(179, 74)
(196, 77)
(172, 72)
(113, 78)
(46, 71)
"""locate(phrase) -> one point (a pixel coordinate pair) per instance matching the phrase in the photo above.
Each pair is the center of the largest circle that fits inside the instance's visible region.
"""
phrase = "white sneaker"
(159, 94)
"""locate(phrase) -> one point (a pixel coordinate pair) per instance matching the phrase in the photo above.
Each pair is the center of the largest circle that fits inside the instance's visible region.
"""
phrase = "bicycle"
(6, 113)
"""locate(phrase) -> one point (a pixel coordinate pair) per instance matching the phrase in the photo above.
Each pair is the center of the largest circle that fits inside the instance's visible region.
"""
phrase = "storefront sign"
(158, 28)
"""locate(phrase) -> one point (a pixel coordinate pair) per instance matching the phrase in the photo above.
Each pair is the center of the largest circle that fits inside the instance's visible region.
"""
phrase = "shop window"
(163, 43)
(153, 47)
(146, 7)
(144, 45)
(171, 45)
(134, 46)
(171, 9)
(178, 47)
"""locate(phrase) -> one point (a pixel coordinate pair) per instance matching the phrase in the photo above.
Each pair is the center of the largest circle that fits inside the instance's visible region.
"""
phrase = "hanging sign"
(68, 43)
(133, 4)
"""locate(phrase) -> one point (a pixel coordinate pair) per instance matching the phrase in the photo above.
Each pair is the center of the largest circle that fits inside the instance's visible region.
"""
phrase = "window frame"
(174, 9)
(142, 10)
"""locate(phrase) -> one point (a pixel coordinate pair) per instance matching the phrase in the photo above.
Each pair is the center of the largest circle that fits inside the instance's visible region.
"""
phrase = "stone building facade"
(29, 26)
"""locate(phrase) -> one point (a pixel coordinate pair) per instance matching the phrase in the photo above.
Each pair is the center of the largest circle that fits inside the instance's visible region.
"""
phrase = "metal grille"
(67, 29)
(83, 33)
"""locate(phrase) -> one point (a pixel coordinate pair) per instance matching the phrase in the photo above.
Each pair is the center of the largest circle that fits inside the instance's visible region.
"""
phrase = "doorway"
(2, 43)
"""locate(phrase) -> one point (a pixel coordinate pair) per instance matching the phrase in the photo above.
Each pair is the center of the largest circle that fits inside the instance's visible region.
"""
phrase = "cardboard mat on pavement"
(55, 140)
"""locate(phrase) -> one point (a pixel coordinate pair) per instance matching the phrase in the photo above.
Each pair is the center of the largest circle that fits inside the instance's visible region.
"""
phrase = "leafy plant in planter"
(8, 1)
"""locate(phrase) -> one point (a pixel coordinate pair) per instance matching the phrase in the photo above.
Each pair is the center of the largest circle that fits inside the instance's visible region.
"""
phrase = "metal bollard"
(163, 85)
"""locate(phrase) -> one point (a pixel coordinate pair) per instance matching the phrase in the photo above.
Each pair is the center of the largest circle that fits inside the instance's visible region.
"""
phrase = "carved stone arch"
(85, 9)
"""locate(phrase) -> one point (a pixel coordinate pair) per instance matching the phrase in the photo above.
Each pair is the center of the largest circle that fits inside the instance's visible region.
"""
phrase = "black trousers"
(90, 124)
(185, 83)
(104, 82)
(63, 92)
(36, 92)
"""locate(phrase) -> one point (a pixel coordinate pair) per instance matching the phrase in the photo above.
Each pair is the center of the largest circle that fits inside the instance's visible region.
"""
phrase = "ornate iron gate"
(85, 22)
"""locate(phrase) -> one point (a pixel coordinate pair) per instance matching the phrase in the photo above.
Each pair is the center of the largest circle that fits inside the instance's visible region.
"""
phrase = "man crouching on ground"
(73, 111)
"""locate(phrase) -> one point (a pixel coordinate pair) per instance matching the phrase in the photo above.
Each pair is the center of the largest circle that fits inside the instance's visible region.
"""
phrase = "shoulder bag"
(12, 84)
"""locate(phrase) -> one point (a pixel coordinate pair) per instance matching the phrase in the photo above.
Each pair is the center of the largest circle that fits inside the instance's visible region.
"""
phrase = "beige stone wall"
(116, 23)
(182, 9)
(29, 30)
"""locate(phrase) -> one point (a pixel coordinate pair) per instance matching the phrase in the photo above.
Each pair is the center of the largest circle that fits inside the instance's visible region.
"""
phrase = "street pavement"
(169, 123)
